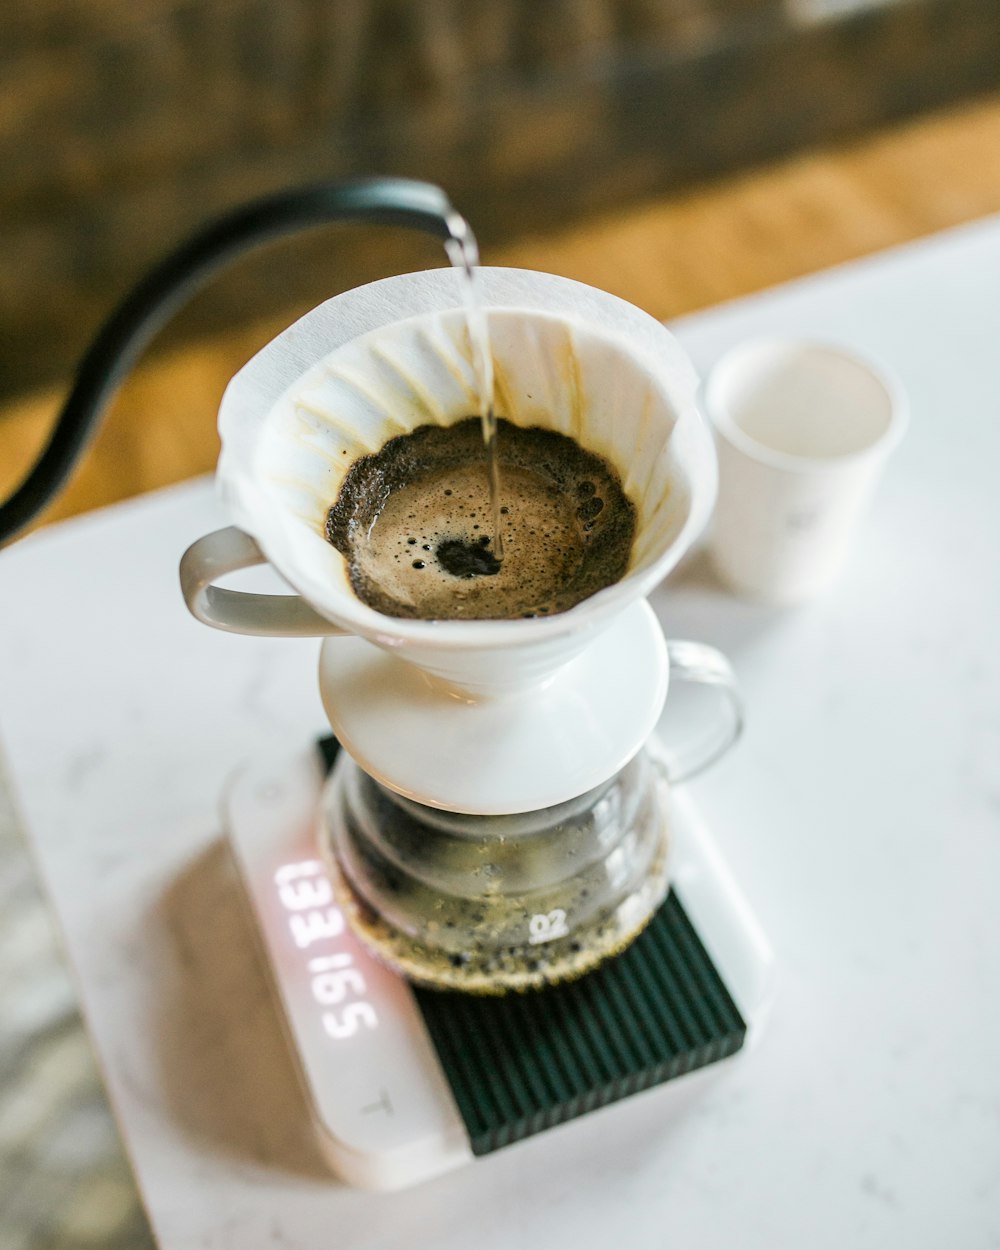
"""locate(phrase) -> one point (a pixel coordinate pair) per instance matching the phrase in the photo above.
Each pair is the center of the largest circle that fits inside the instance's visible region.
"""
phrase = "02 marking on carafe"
(547, 926)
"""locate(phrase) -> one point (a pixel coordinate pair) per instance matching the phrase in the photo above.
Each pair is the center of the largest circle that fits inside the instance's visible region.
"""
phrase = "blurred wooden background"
(125, 124)
(669, 256)
(676, 152)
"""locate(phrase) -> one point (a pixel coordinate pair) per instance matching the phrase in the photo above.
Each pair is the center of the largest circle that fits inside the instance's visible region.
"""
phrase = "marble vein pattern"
(65, 1183)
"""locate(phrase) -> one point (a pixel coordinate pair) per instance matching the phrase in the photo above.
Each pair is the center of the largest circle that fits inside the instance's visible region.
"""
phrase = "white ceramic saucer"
(510, 753)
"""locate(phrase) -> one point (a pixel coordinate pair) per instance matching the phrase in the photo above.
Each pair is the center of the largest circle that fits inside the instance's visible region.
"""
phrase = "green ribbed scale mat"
(522, 1063)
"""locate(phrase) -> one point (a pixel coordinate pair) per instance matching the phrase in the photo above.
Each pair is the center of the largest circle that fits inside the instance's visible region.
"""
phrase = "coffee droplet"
(568, 527)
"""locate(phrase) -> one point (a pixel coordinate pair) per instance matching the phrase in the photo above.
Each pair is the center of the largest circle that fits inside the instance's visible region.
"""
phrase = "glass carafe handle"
(699, 664)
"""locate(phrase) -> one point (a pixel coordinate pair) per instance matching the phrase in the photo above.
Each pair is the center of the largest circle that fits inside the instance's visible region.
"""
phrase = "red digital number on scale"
(337, 985)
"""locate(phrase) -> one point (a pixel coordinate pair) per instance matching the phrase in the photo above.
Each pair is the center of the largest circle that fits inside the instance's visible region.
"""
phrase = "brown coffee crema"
(413, 522)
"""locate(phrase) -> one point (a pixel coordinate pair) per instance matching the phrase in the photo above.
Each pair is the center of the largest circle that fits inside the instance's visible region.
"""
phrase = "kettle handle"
(381, 201)
(238, 611)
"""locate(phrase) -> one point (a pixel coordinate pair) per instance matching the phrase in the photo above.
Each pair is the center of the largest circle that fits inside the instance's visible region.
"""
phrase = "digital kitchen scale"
(406, 1083)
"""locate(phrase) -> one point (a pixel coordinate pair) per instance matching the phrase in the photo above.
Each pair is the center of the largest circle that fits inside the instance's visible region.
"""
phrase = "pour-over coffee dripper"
(494, 821)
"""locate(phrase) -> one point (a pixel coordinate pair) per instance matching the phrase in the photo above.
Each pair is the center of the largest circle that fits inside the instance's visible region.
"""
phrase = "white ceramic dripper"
(477, 716)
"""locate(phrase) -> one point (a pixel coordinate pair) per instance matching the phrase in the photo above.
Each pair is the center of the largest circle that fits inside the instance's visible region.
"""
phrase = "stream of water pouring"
(463, 252)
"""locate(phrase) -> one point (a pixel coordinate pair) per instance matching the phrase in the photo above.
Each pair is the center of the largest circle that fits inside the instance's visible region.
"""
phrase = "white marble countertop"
(861, 815)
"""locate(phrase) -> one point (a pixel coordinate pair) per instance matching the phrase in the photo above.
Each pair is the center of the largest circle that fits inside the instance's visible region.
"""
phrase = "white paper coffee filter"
(565, 357)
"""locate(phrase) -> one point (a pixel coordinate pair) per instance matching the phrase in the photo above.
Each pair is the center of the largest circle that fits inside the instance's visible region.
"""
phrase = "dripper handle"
(238, 611)
(699, 664)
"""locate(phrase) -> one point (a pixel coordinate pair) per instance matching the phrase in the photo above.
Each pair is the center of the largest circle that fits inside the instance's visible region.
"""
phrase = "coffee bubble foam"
(415, 524)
